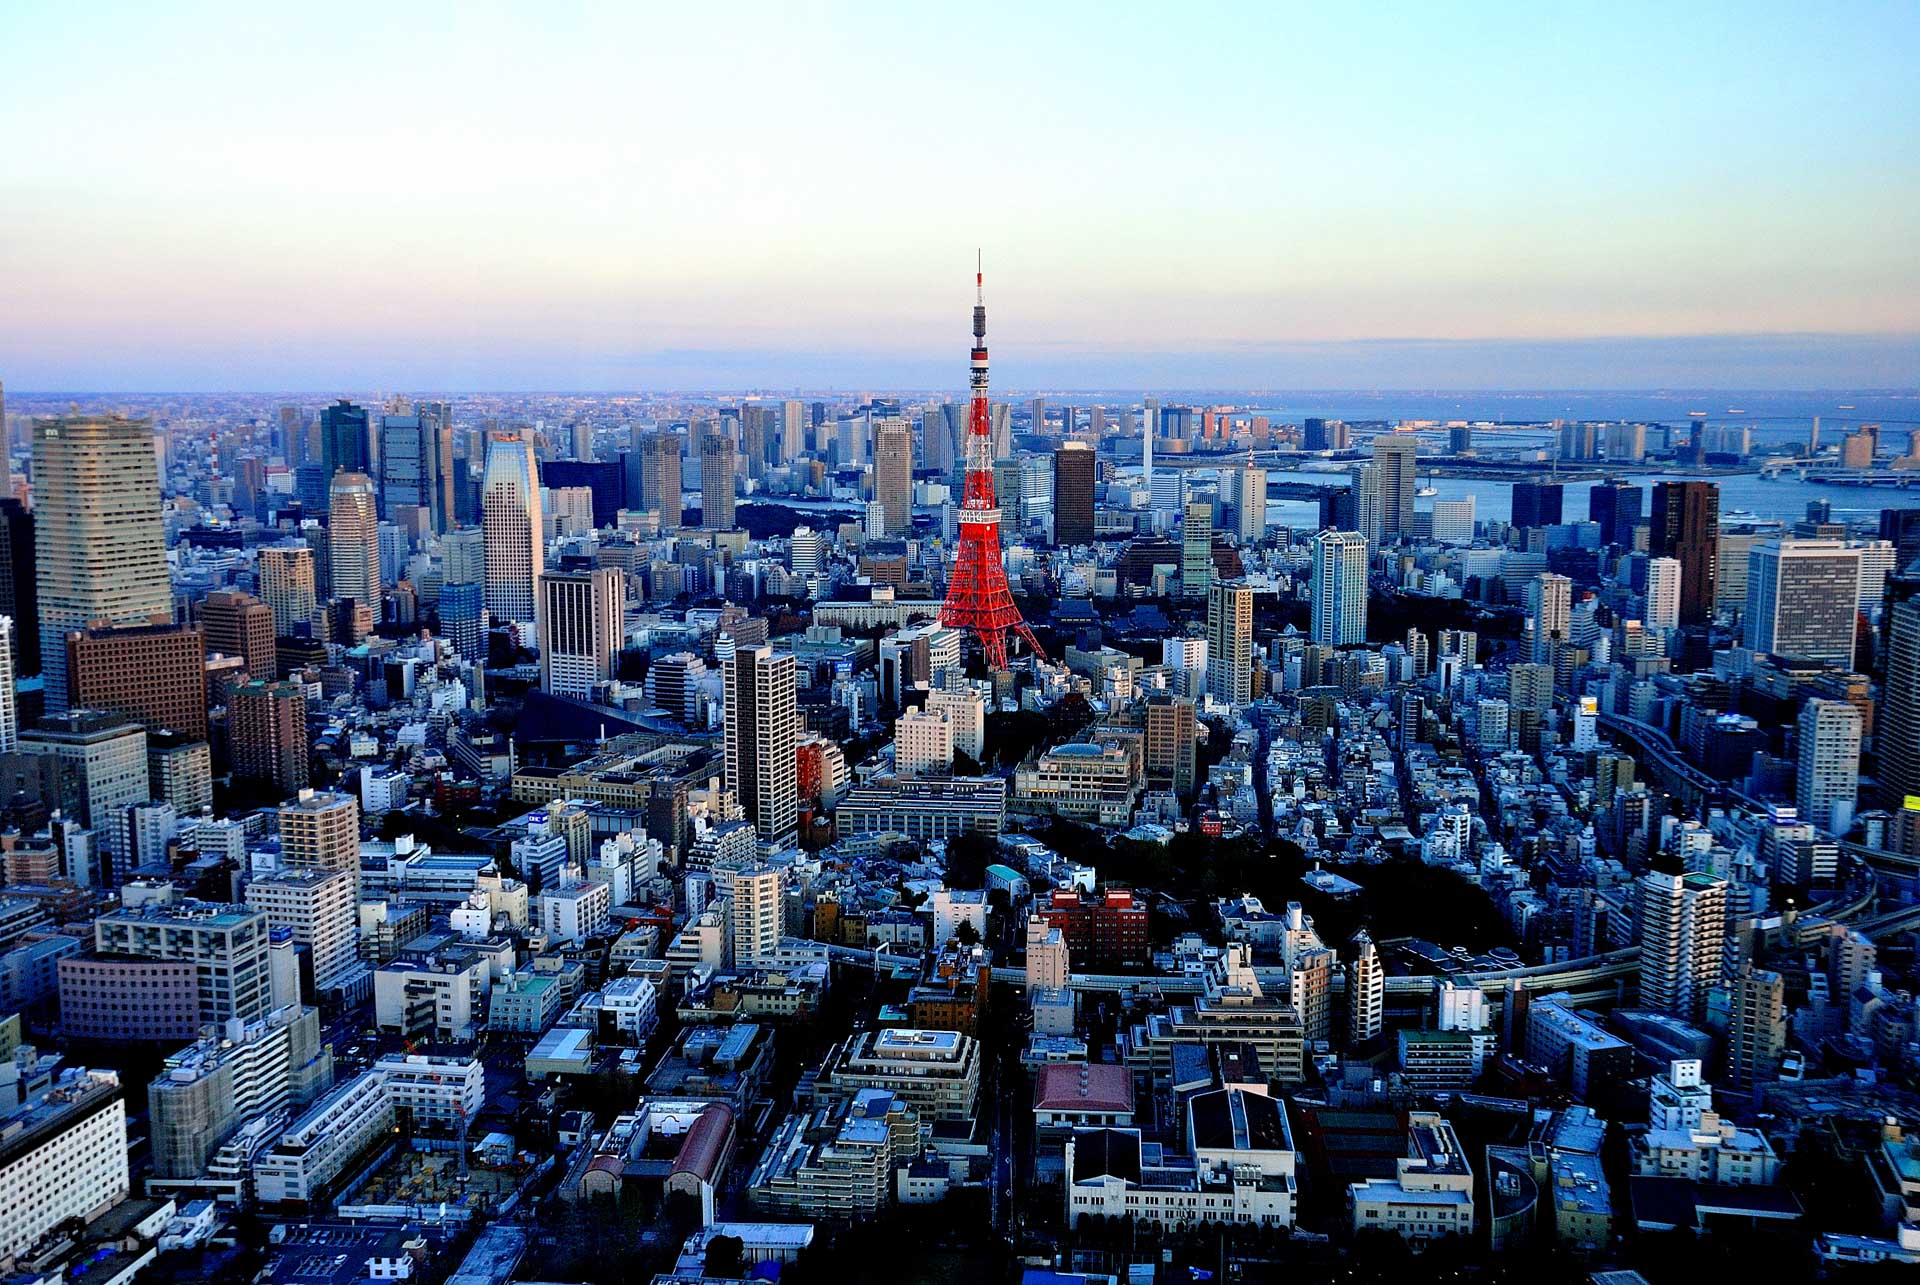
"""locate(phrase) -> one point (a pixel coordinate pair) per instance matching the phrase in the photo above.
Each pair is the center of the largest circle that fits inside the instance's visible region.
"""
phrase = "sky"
(560, 196)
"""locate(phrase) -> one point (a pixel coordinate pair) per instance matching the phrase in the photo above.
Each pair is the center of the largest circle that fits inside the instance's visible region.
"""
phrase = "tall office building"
(225, 948)
(462, 612)
(660, 477)
(1897, 729)
(1803, 599)
(100, 554)
(759, 912)
(1827, 779)
(1230, 641)
(716, 484)
(154, 674)
(1075, 470)
(1339, 588)
(1683, 935)
(1550, 608)
(1394, 454)
(346, 439)
(1686, 527)
(416, 464)
(893, 473)
(267, 727)
(1663, 593)
(1537, 504)
(1196, 549)
(287, 587)
(353, 540)
(513, 527)
(581, 622)
(463, 556)
(100, 769)
(19, 588)
(239, 624)
(760, 734)
(320, 829)
(1615, 506)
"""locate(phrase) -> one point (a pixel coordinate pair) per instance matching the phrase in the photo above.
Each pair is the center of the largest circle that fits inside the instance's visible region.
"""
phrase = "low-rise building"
(1431, 1192)
(836, 1162)
(935, 1072)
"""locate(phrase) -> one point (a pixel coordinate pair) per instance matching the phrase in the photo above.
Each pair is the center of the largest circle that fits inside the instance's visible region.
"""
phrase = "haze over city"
(213, 196)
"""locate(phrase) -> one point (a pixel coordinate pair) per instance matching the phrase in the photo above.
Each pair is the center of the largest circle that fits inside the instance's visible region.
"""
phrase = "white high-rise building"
(1366, 992)
(1453, 520)
(758, 911)
(9, 709)
(966, 711)
(761, 733)
(806, 554)
(514, 527)
(922, 743)
(64, 1157)
(1663, 593)
(318, 907)
(100, 553)
(1250, 503)
(1827, 780)
(582, 616)
(1228, 657)
(1550, 607)
(1188, 656)
(1802, 599)
(1339, 588)
(1683, 936)
(1365, 485)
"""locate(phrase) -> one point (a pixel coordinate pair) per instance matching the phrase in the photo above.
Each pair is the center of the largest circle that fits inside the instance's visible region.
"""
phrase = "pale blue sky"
(234, 196)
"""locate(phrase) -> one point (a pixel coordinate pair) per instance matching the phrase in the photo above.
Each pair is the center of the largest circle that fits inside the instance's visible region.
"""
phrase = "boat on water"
(1427, 491)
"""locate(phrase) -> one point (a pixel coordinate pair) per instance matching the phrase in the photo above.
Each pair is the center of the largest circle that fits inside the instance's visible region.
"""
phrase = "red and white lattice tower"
(977, 596)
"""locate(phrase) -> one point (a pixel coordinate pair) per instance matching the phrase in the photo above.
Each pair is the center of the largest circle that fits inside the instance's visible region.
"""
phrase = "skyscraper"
(1803, 599)
(1339, 588)
(1898, 726)
(581, 615)
(287, 587)
(1683, 933)
(716, 484)
(267, 725)
(514, 528)
(1536, 504)
(1827, 761)
(660, 477)
(19, 587)
(1196, 548)
(1394, 454)
(100, 554)
(346, 439)
(353, 540)
(1663, 593)
(1074, 473)
(1757, 1027)
(1364, 488)
(413, 451)
(1686, 527)
(759, 739)
(1366, 992)
(893, 473)
(1250, 503)
(1230, 641)
(1615, 505)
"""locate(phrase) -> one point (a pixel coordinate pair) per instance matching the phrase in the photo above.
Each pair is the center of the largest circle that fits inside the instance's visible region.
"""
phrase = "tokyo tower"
(977, 597)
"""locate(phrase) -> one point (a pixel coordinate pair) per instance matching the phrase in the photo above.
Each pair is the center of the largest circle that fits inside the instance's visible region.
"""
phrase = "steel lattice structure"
(978, 599)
